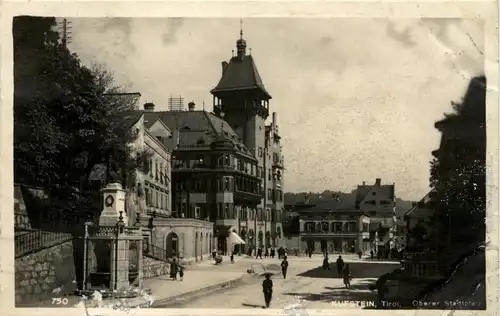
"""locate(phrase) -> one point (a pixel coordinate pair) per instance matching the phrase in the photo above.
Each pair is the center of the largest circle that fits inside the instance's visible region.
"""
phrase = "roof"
(363, 190)
(418, 205)
(330, 212)
(129, 118)
(240, 74)
(198, 130)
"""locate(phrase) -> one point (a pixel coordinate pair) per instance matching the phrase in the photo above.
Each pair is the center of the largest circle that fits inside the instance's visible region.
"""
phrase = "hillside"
(335, 200)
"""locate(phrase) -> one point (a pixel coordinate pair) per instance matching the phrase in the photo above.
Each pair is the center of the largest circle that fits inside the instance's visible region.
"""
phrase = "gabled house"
(379, 202)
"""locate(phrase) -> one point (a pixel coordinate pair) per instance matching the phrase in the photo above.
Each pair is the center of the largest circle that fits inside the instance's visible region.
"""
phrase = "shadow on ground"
(358, 270)
(358, 292)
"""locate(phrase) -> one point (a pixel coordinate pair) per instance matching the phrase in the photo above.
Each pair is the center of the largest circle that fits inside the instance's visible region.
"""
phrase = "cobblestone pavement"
(307, 285)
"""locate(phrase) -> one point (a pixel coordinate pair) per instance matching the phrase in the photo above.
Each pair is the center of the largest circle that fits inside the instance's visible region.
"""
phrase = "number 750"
(59, 301)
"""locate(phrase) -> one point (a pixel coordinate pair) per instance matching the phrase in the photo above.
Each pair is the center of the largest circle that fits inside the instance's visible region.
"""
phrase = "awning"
(235, 239)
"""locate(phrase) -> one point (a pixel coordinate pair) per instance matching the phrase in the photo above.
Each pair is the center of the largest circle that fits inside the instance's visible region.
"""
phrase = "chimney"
(224, 66)
(364, 183)
(191, 106)
(377, 182)
(149, 107)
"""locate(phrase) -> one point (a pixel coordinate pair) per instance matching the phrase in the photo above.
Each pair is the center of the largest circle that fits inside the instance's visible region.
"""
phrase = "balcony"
(329, 234)
(247, 197)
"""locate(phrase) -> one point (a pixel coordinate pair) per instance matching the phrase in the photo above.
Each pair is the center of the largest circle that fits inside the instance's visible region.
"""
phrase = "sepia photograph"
(252, 163)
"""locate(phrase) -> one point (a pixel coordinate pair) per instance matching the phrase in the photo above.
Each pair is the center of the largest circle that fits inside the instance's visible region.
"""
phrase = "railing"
(157, 252)
(38, 240)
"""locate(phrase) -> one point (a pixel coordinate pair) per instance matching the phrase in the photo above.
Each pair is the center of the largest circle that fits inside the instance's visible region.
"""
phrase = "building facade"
(339, 231)
(379, 201)
(241, 99)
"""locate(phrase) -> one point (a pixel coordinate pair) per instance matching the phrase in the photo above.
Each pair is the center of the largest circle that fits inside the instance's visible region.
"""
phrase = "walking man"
(284, 267)
(267, 288)
(340, 265)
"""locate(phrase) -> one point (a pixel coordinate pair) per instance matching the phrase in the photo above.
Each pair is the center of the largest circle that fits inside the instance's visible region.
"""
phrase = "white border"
(483, 9)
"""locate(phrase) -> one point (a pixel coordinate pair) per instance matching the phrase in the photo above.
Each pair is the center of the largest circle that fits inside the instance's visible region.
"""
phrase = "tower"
(241, 99)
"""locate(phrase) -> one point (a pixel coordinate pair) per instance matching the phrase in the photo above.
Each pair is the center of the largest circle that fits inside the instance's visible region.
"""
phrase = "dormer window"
(185, 128)
(371, 202)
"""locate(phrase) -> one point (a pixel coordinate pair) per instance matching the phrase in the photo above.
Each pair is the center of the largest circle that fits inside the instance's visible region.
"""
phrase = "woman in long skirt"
(347, 275)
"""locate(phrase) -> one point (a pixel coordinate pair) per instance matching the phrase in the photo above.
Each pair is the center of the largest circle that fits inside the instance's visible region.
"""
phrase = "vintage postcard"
(247, 158)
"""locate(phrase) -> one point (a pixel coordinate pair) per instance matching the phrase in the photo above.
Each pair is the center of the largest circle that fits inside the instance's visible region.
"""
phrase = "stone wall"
(38, 274)
(153, 268)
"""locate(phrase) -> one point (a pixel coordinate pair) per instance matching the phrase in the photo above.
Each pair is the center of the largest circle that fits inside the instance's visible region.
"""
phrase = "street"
(307, 285)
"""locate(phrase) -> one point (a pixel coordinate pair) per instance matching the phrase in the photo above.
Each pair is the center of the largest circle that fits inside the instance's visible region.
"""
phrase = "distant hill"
(335, 199)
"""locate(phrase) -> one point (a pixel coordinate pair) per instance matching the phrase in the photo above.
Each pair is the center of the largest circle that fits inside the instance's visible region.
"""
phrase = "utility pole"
(66, 32)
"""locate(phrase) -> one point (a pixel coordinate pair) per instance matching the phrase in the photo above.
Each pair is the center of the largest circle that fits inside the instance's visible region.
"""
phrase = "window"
(324, 227)
(260, 151)
(269, 174)
(148, 199)
(226, 210)
(227, 161)
(351, 227)
(219, 211)
(269, 194)
(278, 175)
(336, 227)
(156, 199)
(227, 184)
(161, 201)
(156, 169)
(197, 212)
(309, 227)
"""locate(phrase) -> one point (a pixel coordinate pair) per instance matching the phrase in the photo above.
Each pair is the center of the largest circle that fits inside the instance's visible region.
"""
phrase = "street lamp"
(120, 224)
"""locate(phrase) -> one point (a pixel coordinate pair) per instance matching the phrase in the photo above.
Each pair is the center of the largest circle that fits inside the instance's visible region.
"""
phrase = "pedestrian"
(259, 253)
(273, 250)
(173, 270)
(266, 253)
(310, 253)
(360, 254)
(284, 267)
(340, 265)
(346, 273)
(214, 253)
(371, 254)
(232, 257)
(267, 288)
(326, 264)
(181, 272)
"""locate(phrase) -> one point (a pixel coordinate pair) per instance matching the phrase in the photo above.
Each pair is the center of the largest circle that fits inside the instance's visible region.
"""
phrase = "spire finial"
(241, 28)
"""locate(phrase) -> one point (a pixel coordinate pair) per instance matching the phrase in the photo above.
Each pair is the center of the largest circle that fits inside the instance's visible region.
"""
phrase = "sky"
(356, 98)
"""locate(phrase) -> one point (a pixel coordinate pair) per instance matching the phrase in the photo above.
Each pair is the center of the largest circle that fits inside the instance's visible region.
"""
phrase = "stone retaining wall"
(153, 268)
(39, 274)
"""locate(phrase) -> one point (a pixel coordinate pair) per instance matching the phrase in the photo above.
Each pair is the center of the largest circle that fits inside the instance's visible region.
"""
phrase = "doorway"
(310, 245)
(172, 245)
(324, 246)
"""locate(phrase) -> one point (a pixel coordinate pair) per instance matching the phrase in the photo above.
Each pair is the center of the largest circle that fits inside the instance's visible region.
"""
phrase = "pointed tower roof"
(240, 73)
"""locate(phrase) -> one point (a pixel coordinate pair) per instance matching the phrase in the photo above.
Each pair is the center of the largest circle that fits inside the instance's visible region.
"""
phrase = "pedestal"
(114, 203)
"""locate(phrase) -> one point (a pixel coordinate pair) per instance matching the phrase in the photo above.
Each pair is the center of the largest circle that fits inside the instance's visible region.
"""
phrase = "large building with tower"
(227, 165)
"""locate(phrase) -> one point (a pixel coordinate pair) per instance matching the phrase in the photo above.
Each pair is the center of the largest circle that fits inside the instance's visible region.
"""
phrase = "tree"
(458, 172)
(64, 122)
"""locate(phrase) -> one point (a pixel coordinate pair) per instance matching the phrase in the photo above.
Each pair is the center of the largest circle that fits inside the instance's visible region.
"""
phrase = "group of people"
(176, 268)
(268, 252)
(343, 269)
(267, 284)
